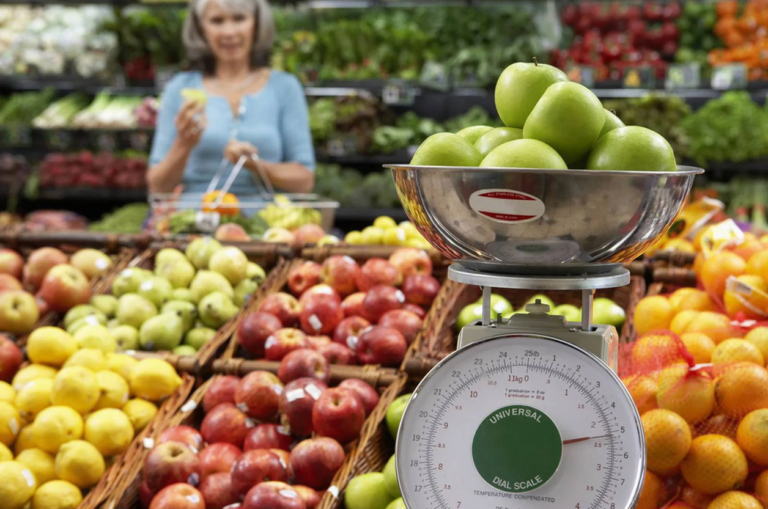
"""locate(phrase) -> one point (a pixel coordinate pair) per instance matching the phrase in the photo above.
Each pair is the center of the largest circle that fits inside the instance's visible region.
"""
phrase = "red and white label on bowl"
(506, 205)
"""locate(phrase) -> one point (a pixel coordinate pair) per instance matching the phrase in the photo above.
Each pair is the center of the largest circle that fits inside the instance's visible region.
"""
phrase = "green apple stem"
(535, 62)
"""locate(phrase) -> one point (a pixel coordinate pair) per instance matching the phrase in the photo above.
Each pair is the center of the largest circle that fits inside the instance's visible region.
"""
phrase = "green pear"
(216, 309)
(524, 154)
(186, 310)
(182, 294)
(95, 319)
(471, 134)
(96, 336)
(207, 281)
(184, 350)
(499, 305)
(632, 148)
(255, 272)
(611, 122)
(107, 304)
(367, 491)
(112, 323)
(200, 250)
(199, 336)
(179, 273)
(128, 281)
(569, 311)
(605, 311)
(390, 477)
(134, 310)
(161, 332)
(168, 255)
(397, 503)
(156, 290)
(496, 137)
(243, 291)
(80, 311)
(446, 149)
(469, 314)
(126, 337)
(231, 263)
(519, 88)
(568, 118)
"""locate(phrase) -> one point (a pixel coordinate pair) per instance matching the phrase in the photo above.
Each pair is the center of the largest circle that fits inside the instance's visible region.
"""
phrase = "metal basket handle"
(264, 184)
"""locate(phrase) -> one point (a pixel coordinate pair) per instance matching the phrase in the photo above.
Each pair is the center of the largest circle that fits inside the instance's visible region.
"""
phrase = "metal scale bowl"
(528, 412)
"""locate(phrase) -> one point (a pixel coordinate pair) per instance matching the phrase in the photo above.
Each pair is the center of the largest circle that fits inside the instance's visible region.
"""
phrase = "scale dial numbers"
(521, 422)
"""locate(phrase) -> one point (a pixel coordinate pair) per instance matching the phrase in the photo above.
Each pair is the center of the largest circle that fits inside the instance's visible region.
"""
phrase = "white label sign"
(506, 205)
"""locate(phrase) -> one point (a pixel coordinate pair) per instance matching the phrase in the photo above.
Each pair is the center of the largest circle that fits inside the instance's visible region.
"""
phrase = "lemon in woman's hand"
(57, 495)
(55, 426)
(80, 463)
(18, 484)
(75, 387)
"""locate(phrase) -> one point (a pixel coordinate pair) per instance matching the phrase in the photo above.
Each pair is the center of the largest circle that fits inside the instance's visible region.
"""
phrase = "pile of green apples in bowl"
(604, 310)
(178, 306)
(550, 123)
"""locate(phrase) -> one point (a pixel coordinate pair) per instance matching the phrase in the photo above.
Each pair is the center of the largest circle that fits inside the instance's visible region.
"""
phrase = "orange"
(714, 464)
(748, 248)
(656, 350)
(653, 313)
(759, 337)
(667, 440)
(761, 487)
(737, 350)
(653, 490)
(682, 320)
(691, 299)
(718, 425)
(741, 389)
(735, 500)
(693, 498)
(229, 205)
(698, 263)
(643, 390)
(699, 345)
(715, 325)
(690, 394)
(757, 265)
(736, 303)
(717, 268)
(752, 436)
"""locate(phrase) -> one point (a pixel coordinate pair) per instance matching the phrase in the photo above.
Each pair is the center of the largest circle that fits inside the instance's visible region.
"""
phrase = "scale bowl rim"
(682, 171)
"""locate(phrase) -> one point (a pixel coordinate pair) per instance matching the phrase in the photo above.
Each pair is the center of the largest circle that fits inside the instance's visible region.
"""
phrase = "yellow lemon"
(154, 379)
(5, 453)
(80, 463)
(75, 387)
(57, 495)
(56, 426)
(140, 412)
(113, 390)
(40, 463)
(384, 222)
(34, 398)
(96, 336)
(735, 500)
(732, 351)
(7, 393)
(110, 430)
(17, 486)
(91, 358)
(32, 372)
(50, 345)
(121, 364)
(10, 423)
(25, 440)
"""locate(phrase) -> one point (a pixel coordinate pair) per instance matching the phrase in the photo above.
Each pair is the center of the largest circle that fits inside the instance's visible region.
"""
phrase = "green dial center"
(517, 449)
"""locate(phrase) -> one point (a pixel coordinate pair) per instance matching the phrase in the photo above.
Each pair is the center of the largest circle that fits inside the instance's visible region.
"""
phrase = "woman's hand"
(190, 124)
(236, 149)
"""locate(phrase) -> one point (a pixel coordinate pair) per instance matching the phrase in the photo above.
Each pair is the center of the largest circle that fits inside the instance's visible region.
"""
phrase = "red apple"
(352, 305)
(377, 271)
(169, 463)
(324, 290)
(315, 461)
(183, 434)
(268, 436)
(64, 287)
(407, 322)
(178, 496)
(410, 261)
(145, 495)
(258, 395)
(10, 359)
(303, 277)
(218, 457)
(413, 308)
(42, 306)
(320, 315)
(349, 329)
(316, 342)
(225, 423)
(283, 342)
(310, 497)
(420, 289)
(221, 390)
(254, 467)
(338, 414)
(340, 272)
(308, 233)
(285, 459)
(229, 232)
(304, 363)
(273, 495)
(18, 312)
(11, 263)
(253, 331)
(368, 395)
(380, 300)
(297, 401)
(336, 353)
(39, 262)
(217, 491)
(381, 345)
(8, 282)
(284, 306)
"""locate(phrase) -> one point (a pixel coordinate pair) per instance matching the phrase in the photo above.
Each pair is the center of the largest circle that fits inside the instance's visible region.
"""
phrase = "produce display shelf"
(93, 194)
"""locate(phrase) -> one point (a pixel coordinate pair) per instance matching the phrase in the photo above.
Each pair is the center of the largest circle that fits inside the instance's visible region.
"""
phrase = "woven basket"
(72, 240)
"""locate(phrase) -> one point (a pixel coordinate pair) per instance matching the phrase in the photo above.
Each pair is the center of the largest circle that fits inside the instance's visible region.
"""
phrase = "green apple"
(182, 294)
(367, 491)
(231, 263)
(390, 478)
(81, 311)
(611, 122)
(107, 304)
(185, 310)
(255, 272)
(208, 281)
(471, 134)
(632, 148)
(184, 350)
(499, 305)
(397, 504)
(200, 250)
(495, 137)
(199, 336)
(569, 311)
(446, 149)
(524, 154)
(469, 314)
(126, 337)
(96, 336)
(215, 309)
(243, 291)
(168, 255)
(179, 273)
(161, 332)
(156, 290)
(568, 118)
(134, 310)
(605, 311)
(128, 281)
(519, 88)
(544, 300)
(395, 413)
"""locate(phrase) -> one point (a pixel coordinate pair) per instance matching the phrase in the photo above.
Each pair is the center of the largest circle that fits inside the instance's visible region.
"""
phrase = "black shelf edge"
(92, 194)
(367, 214)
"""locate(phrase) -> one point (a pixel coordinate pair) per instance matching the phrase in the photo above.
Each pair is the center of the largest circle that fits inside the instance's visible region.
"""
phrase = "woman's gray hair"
(197, 48)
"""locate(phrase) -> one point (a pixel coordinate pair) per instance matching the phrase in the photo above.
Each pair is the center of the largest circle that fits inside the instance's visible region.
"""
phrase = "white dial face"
(520, 422)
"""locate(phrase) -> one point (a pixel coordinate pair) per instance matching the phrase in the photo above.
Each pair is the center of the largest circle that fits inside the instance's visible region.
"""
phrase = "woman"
(250, 109)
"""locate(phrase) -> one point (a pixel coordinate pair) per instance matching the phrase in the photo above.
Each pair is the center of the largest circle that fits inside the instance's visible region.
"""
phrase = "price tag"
(397, 93)
(729, 76)
(639, 77)
(683, 76)
(582, 74)
(207, 222)
(341, 146)
(434, 75)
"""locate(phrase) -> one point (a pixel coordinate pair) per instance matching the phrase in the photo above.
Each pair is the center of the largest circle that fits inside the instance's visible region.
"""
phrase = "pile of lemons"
(68, 414)
(385, 231)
